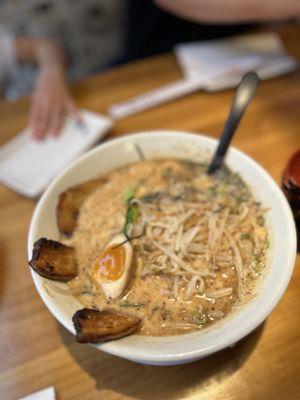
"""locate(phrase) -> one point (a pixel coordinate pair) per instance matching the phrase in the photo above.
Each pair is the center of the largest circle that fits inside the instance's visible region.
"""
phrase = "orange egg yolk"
(110, 265)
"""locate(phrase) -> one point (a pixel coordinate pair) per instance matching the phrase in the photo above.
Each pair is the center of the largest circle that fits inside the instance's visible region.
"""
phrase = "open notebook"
(28, 166)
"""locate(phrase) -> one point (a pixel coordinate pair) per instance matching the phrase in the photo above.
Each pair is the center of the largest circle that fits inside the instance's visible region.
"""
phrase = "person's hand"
(50, 100)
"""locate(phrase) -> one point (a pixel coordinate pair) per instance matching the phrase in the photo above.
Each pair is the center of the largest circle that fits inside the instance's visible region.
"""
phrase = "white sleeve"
(7, 54)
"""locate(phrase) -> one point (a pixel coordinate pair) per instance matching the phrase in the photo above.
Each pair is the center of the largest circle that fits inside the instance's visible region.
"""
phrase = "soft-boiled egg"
(113, 268)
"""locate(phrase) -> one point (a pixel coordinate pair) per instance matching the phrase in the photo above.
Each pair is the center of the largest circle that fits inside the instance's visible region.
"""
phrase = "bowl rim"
(223, 342)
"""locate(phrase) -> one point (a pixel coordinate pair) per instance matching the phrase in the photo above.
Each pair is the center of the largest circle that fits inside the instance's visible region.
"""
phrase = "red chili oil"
(291, 188)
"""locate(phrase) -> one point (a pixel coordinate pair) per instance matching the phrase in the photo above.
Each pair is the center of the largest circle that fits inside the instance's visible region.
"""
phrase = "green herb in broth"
(246, 236)
(135, 305)
(129, 194)
(239, 200)
(130, 219)
(137, 248)
(197, 167)
(221, 208)
(255, 264)
(152, 197)
(146, 247)
(87, 293)
(131, 216)
(165, 314)
(199, 318)
(189, 193)
(211, 192)
(131, 212)
(167, 173)
(155, 309)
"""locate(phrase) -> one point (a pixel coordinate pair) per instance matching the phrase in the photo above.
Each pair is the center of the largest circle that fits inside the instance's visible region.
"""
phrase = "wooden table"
(36, 352)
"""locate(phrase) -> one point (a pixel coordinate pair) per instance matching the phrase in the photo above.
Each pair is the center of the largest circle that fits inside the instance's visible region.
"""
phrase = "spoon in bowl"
(244, 94)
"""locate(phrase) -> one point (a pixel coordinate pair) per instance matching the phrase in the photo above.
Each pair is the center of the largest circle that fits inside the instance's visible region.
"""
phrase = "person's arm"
(51, 96)
(231, 11)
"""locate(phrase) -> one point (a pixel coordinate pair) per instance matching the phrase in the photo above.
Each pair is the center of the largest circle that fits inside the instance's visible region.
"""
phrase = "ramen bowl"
(178, 349)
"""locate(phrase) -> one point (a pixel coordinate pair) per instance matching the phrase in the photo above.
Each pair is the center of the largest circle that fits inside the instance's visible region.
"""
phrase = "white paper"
(201, 58)
(28, 166)
(44, 394)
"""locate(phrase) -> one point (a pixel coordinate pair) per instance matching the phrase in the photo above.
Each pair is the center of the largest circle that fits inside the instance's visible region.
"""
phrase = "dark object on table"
(291, 188)
(53, 260)
(243, 96)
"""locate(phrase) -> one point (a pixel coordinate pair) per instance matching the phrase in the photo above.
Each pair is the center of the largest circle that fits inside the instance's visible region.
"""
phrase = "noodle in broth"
(200, 247)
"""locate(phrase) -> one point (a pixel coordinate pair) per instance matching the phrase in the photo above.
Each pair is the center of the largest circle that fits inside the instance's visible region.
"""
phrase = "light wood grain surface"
(36, 352)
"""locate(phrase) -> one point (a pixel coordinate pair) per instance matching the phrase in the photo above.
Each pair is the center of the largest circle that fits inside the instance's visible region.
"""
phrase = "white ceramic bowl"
(192, 346)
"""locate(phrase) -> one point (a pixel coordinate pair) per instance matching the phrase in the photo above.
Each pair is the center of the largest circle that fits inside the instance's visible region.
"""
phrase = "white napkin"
(227, 59)
(28, 166)
(44, 394)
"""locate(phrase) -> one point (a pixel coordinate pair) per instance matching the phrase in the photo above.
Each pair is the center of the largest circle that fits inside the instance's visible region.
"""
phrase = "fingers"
(55, 121)
(39, 118)
(47, 115)
(46, 119)
(57, 116)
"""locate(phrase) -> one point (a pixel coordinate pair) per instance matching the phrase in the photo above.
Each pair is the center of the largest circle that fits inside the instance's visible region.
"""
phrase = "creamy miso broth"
(199, 243)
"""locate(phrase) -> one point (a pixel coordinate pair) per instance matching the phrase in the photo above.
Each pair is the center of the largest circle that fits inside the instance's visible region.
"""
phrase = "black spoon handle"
(244, 93)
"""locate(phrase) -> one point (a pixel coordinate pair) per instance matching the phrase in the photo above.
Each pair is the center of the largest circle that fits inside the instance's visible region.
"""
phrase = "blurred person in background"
(51, 96)
(96, 34)
(232, 11)
(52, 42)
(157, 25)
